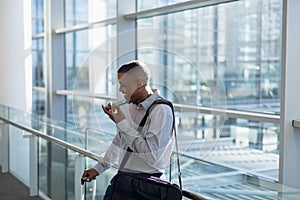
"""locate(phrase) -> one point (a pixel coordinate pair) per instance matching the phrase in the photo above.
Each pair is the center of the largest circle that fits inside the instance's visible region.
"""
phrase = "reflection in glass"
(38, 63)
(83, 11)
(224, 174)
(221, 182)
(88, 56)
(79, 45)
(37, 16)
(242, 40)
(43, 166)
(39, 103)
(88, 117)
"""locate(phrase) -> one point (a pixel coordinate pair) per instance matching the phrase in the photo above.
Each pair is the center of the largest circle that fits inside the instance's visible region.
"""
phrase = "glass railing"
(49, 156)
(214, 134)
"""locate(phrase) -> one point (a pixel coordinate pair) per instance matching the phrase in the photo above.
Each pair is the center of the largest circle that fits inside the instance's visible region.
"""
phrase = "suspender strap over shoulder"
(159, 101)
(142, 123)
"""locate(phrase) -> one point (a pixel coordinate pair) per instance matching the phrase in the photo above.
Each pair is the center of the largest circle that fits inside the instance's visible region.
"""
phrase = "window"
(232, 49)
(218, 63)
(37, 16)
(38, 58)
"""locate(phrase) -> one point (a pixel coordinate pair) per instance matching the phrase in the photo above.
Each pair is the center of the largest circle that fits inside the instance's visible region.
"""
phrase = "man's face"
(128, 85)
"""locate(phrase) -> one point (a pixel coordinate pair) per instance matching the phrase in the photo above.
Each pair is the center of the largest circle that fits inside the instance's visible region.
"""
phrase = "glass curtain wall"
(85, 51)
(38, 54)
(81, 75)
(233, 49)
(225, 56)
(37, 16)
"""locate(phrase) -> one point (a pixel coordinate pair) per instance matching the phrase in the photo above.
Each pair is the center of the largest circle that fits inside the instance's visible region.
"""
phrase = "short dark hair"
(135, 66)
(129, 66)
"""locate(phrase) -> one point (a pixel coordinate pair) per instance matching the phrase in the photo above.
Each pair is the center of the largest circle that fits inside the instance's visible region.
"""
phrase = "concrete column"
(55, 59)
(56, 105)
(290, 107)
(126, 30)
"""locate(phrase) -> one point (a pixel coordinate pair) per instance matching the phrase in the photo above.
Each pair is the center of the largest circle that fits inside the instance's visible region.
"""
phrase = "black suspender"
(159, 101)
(141, 125)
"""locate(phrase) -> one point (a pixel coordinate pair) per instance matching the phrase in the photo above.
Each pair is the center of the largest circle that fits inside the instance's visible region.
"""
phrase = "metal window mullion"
(39, 89)
(193, 4)
(85, 26)
(255, 116)
(37, 36)
(86, 94)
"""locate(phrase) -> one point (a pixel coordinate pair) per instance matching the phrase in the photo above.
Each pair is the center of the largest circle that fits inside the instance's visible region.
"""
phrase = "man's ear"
(140, 83)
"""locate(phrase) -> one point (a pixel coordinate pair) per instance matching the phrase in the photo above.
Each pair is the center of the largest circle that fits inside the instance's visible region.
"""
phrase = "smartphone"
(108, 107)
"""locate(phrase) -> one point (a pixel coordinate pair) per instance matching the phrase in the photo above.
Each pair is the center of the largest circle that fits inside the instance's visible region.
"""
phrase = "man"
(152, 144)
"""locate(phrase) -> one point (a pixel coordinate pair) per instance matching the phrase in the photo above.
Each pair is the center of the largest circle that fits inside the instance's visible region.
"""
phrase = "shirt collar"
(147, 102)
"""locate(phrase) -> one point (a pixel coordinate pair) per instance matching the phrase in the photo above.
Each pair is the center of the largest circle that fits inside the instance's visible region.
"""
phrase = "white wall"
(15, 76)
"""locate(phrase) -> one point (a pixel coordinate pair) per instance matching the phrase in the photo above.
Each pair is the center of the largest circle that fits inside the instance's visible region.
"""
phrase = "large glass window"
(87, 55)
(241, 39)
(38, 74)
(88, 11)
(38, 59)
(222, 56)
(37, 16)
(83, 49)
(81, 46)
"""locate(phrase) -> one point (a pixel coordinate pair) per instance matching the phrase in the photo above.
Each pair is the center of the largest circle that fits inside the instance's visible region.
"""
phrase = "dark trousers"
(109, 190)
(110, 186)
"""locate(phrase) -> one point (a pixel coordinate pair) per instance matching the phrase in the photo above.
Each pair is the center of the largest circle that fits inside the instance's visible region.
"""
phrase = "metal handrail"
(85, 94)
(52, 139)
(296, 123)
(86, 26)
(83, 152)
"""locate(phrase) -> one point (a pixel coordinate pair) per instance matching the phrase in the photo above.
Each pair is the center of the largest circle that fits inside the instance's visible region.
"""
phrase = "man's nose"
(120, 89)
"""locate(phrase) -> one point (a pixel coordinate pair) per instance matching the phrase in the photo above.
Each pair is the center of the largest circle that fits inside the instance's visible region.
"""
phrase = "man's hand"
(114, 114)
(89, 175)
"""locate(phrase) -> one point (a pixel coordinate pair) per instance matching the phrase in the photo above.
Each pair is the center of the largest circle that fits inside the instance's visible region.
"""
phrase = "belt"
(157, 175)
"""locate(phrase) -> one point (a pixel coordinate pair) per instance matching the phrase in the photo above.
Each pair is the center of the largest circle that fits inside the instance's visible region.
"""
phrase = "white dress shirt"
(152, 146)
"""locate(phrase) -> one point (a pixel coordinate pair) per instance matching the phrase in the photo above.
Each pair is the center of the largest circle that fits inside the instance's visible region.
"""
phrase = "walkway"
(12, 189)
